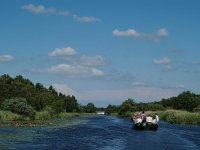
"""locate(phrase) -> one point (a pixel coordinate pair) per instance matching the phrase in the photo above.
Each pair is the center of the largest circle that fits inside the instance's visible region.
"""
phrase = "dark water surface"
(102, 133)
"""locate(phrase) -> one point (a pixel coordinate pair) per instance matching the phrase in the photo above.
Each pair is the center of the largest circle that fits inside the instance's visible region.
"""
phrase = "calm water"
(102, 133)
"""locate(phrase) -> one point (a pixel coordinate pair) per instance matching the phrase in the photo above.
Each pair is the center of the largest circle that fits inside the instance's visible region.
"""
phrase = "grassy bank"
(175, 116)
(66, 114)
(180, 117)
(42, 118)
(9, 116)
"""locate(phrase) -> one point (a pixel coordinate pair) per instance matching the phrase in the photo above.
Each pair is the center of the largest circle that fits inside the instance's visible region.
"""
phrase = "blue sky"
(103, 51)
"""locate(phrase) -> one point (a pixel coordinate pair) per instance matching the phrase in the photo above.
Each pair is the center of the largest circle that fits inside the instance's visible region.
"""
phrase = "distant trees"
(34, 97)
(151, 106)
(185, 101)
(111, 109)
(89, 108)
(23, 97)
(127, 106)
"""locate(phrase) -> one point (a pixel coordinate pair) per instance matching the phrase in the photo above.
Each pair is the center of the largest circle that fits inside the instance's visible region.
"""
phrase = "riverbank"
(100, 132)
(175, 116)
(9, 119)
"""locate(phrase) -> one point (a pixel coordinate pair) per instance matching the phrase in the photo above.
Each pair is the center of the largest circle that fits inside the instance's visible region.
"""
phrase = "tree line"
(184, 101)
(21, 96)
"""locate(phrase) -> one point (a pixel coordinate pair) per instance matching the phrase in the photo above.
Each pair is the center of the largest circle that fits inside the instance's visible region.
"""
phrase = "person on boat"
(157, 117)
(143, 116)
(133, 117)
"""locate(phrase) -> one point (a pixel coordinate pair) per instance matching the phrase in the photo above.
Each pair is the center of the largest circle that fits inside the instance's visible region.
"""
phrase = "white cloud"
(40, 9)
(161, 33)
(65, 89)
(85, 19)
(68, 51)
(6, 58)
(90, 61)
(74, 71)
(180, 86)
(129, 32)
(166, 62)
(163, 60)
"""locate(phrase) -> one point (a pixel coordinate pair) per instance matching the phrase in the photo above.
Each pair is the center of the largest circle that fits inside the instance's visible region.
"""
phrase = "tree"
(71, 104)
(58, 106)
(127, 106)
(187, 101)
(111, 109)
(90, 108)
(6, 87)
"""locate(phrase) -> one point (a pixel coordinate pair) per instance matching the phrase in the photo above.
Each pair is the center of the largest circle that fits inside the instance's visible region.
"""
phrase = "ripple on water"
(100, 132)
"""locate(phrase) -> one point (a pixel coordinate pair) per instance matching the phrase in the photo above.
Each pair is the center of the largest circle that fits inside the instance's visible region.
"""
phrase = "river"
(100, 133)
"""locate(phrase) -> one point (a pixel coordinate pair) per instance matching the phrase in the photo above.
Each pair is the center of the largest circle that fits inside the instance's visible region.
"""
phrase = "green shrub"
(50, 110)
(19, 106)
(43, 115)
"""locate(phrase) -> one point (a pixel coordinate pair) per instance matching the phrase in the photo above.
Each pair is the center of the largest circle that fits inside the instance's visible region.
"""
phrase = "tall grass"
(43, 115)
(183, 117)
(9, 116)
(176, 116)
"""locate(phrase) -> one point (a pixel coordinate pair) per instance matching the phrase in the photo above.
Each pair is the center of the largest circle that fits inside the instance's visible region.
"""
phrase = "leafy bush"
(90, 108)
(19, 106)
(43, 115)
(58, 106)
(50, 110)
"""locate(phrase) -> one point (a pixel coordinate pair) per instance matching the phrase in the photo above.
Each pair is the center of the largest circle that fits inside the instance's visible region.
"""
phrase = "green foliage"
(36, 95)
(187, 101)
(197, 109)
(19, 106)
(89, 108)
(127, 106)
(58, 106)
(111, 109)
(184, 101)
(9, 116)
(71, 104)
(181, 117)
(149, 106)
(50, 110)
(43, 115)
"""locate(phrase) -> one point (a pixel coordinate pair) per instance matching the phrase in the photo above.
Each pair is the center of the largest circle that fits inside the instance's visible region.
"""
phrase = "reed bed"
(9, 116)
(43, 115)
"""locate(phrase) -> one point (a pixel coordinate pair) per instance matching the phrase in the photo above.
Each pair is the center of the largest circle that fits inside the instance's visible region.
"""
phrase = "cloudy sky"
(103, 51)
